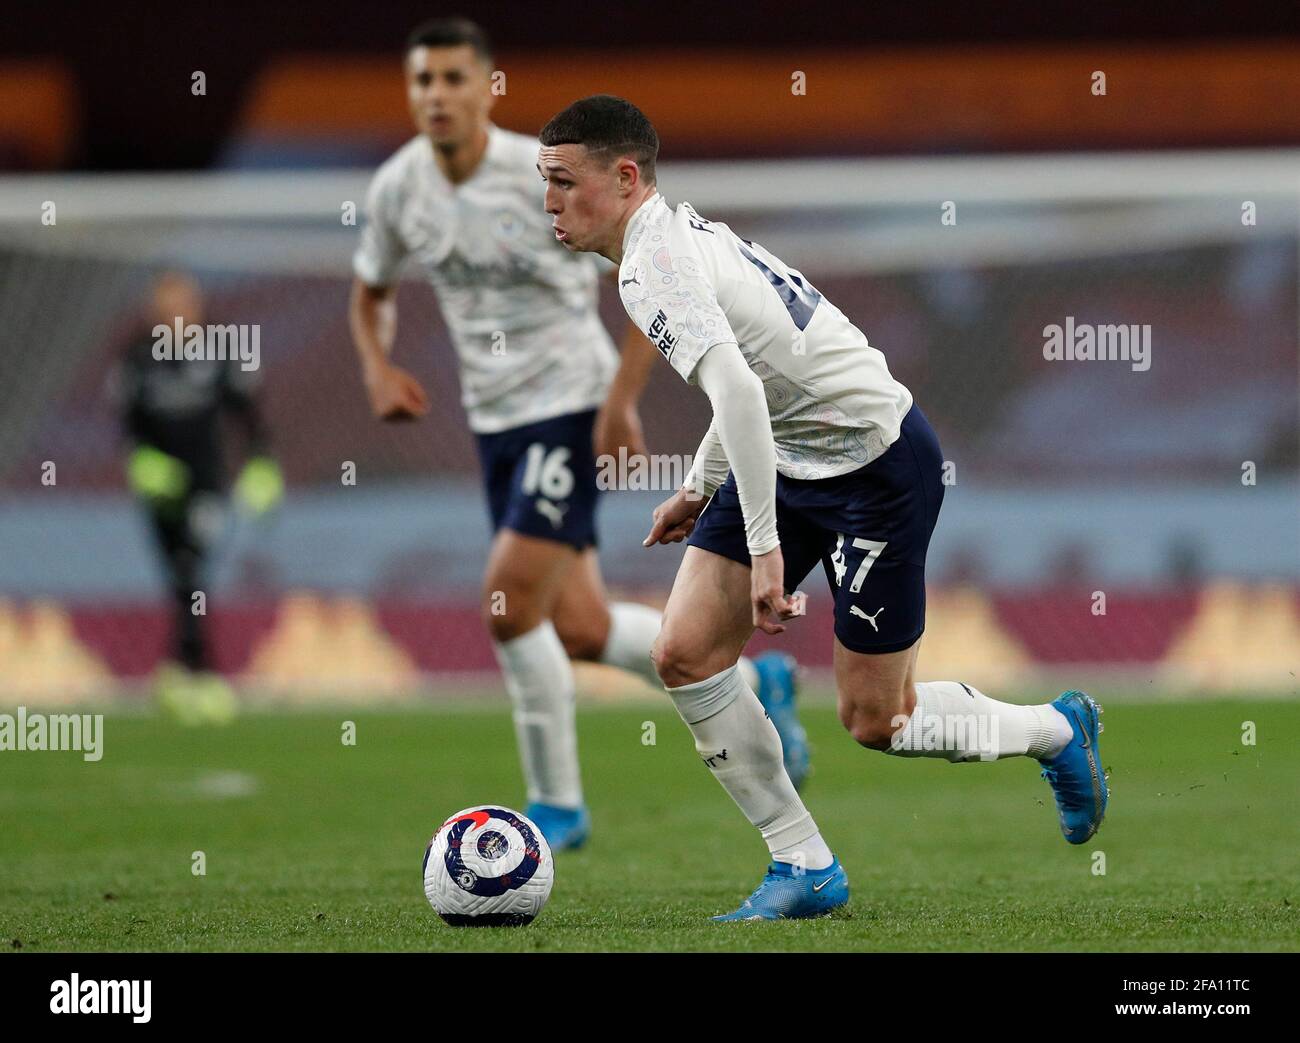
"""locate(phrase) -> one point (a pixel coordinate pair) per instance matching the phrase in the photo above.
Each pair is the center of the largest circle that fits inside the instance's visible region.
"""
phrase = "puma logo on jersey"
(634, 281)
(553, 512)
(855, 611)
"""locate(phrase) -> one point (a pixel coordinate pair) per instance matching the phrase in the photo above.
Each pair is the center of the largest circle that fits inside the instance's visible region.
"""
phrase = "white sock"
(748, 672)
(960, 723)
(539, 679)
(739, 744)
(632, 631)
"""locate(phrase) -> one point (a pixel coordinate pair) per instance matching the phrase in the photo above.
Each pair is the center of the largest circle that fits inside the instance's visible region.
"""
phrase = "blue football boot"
(786, 894)
(1076, 774)
(776, 691)
(565, 829)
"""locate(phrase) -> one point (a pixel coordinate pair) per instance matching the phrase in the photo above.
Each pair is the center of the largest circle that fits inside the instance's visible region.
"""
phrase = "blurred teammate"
(815, 454)
(544, 390)
(173, 410)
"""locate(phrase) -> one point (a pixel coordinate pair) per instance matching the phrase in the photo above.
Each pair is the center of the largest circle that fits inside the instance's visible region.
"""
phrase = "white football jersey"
(689, 283)
(521, 308)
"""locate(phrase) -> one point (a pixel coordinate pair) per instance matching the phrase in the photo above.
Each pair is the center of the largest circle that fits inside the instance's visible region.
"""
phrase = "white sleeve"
(380, 253)
(709, 467)
(669, 298)
(744, 429)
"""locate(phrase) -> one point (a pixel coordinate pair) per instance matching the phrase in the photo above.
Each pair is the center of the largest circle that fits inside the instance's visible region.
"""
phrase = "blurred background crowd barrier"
(954, 200)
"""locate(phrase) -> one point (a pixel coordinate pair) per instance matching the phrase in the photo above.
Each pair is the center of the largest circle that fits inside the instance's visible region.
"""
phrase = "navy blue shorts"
(869, 528)
(541, 479)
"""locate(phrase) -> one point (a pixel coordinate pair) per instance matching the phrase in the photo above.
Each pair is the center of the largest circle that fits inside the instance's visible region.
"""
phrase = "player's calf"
(584, 636)
(955, 721)
(883, 708)
(875, 692)
(580, 613)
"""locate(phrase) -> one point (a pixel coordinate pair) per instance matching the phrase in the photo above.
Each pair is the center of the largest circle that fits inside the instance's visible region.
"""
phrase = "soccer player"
(172, 413)
(815, 453)
(544, 390)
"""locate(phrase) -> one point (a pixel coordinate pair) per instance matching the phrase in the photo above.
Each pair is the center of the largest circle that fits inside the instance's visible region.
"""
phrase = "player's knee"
(509, 614)
(506, 628)
(582, 639)
(679, 661)
(872, 724)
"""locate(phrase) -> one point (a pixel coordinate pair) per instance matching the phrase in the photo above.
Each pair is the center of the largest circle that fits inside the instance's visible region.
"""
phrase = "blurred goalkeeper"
(172, 412)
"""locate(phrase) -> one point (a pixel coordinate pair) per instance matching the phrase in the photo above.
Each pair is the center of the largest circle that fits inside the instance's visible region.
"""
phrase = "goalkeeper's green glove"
(260, 485)
(156, 476)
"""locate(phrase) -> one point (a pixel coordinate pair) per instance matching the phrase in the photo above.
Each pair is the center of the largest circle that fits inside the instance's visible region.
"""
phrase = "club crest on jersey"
(508, 224)
(659, 335)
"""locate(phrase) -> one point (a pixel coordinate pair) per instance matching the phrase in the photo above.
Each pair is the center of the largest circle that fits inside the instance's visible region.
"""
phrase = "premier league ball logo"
(488, 866)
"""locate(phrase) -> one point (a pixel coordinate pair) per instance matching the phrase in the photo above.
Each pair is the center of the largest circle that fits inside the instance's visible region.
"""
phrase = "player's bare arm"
(618, 424)
(393, 393)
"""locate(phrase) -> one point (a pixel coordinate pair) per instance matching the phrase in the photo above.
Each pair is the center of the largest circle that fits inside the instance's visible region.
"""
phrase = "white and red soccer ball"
(488, 866)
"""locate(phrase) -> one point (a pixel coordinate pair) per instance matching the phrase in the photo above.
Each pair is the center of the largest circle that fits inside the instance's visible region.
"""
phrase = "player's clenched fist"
(675, 518)
(767, 592)
(395, 394)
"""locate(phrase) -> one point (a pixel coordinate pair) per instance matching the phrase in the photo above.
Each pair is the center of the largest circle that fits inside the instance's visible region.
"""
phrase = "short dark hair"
(609, 125)
(451, 32)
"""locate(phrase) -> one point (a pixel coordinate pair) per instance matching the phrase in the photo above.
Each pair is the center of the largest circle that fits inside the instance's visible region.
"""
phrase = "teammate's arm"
(372, 313)
(618, 423)
(372, 308)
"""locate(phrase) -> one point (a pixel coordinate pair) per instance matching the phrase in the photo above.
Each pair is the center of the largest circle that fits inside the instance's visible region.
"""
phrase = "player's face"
(177, 296)
(583, 196)
(449, 91)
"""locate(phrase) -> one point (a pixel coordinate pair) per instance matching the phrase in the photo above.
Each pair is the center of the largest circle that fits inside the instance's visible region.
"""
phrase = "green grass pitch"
(314, 845)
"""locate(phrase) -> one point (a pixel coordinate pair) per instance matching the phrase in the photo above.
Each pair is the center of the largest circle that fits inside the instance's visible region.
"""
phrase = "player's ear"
(629, 175)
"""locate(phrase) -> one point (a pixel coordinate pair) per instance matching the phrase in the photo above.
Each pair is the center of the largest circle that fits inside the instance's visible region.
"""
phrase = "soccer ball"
(488, 866)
